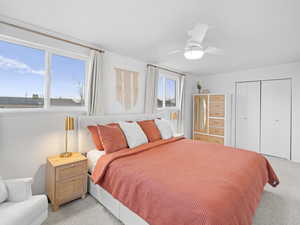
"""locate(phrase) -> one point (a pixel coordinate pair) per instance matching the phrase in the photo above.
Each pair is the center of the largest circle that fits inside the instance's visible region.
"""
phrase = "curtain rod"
(163, 68)
(52, 36)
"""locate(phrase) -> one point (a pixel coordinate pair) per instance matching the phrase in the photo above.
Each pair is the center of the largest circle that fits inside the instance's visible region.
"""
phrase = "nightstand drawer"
(70, 189)
(71, 170)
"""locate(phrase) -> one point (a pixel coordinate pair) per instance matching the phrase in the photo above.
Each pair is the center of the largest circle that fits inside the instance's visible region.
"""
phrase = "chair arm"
(19, 189)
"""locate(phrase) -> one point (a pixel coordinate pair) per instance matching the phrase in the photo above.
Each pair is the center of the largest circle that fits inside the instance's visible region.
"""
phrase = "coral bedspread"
(184, 182)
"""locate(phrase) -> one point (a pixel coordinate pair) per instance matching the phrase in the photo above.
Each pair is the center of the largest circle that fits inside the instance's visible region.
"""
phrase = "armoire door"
(201, 113)
(247, 134)
(276, 117)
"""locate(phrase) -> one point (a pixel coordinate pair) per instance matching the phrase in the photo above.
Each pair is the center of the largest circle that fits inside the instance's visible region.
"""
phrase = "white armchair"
(20, 206)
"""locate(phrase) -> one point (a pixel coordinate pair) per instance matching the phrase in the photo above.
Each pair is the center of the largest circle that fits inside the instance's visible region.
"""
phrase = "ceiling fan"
(194, 48)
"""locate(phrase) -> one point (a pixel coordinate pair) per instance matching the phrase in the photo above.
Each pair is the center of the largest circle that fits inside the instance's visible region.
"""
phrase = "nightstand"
(66, 179)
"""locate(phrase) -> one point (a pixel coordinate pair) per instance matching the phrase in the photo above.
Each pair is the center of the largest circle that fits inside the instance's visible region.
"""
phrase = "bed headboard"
(85, 142)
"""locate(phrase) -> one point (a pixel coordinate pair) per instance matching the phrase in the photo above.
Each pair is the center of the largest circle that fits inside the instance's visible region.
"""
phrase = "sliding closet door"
(248, 115)
(276, 118)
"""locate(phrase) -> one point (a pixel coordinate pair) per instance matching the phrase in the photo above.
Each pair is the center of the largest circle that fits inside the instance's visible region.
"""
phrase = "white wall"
(225, 83)
(112, 61)
(26, 139)
(43, 41)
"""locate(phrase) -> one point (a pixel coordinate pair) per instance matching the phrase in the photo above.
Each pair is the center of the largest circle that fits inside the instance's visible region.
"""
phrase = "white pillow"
(134, 134)
(3, 191)
(93, 157)
(165, 128)
(19, 189)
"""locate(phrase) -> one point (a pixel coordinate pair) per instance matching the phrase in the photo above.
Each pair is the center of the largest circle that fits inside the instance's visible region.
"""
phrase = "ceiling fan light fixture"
(193, 54)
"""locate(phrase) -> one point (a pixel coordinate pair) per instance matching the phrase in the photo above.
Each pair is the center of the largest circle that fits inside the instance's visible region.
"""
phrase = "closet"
(276, 118)
(263, 117)
(248, 115)
(208, 117)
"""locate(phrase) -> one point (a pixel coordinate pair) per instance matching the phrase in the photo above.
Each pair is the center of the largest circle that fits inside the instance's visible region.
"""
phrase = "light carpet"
(278, 206)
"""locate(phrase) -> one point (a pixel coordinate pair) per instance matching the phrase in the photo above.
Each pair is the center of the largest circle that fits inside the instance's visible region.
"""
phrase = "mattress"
(93, 157)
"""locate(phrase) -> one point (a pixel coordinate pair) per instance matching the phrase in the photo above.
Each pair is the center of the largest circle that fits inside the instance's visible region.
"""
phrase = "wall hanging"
(127, 87)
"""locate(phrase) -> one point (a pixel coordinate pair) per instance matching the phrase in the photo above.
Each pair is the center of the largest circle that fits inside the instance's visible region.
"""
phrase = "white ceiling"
(253, 33)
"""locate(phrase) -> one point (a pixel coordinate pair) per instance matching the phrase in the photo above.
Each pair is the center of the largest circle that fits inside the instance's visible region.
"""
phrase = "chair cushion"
(18, 189)
(3, 191)
(25, 212)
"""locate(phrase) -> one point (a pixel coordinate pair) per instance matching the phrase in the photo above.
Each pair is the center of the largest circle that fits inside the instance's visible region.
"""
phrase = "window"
(26, 81)
(67, 81)
(170, 99)
(167, 91)
(160, 92)
(21, 76)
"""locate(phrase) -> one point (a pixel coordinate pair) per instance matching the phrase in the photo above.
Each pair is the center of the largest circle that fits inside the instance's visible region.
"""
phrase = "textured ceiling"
(253, 33)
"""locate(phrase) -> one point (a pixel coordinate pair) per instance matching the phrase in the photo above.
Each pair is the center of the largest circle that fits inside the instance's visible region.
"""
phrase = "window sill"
(167, 108)
(52, 110)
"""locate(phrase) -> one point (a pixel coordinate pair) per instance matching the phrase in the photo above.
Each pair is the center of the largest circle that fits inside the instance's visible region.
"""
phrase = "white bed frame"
(85, 144)
(115, 207)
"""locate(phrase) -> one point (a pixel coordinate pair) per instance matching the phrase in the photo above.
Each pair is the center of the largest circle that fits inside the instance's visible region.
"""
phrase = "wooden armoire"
(209, 117)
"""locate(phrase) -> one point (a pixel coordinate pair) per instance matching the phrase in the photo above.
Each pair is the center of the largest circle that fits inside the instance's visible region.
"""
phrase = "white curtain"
(151, 89)
(95, 80)
(180, 121)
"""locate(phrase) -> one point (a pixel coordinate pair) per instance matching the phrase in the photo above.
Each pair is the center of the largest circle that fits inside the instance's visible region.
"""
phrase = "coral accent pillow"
(150, 129)
(112, 137)
(96, 137)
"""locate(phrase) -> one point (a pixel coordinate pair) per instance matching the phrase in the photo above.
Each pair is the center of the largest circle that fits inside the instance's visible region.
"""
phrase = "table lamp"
(173, 115)
(69, 125)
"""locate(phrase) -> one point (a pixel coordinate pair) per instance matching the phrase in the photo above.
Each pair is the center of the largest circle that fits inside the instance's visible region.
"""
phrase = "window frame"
(49, 51)
(177, 82)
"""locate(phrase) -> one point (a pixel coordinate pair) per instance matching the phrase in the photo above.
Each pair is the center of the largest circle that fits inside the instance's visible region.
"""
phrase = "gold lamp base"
(69, 125)
(65, 154)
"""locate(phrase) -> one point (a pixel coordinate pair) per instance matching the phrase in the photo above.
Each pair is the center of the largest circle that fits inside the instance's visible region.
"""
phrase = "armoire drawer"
(216, 105)
(207, 138)
(216, 126)
(216, 131)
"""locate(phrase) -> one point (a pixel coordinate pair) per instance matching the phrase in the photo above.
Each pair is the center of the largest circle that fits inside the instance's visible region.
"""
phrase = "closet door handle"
(276, 123)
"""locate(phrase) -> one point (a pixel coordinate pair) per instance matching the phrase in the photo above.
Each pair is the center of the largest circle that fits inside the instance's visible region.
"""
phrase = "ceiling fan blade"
(198, 32)
(174, 52)
(214, 51)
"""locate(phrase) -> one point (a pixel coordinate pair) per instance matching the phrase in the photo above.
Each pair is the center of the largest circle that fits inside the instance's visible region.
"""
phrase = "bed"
(177, 181)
